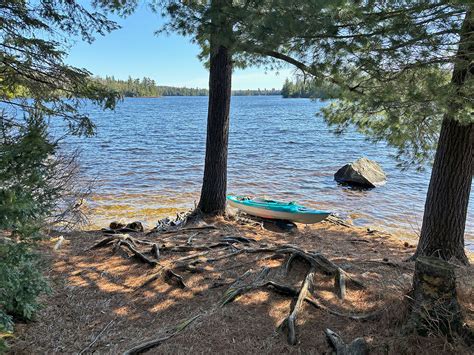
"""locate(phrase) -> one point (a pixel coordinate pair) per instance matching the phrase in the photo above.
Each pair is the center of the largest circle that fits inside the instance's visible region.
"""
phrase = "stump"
(435, 309)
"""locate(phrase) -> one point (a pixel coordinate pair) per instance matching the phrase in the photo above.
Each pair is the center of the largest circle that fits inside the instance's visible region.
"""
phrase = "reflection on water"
(148, 158)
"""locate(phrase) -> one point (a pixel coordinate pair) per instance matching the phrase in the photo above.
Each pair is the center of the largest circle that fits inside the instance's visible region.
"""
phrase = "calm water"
(148, 158)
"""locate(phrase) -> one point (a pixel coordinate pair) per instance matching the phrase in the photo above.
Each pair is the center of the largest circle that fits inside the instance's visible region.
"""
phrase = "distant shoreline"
(162, 96)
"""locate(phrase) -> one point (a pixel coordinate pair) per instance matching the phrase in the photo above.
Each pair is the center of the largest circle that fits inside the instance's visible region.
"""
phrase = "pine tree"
(405, 73)
(35, 84)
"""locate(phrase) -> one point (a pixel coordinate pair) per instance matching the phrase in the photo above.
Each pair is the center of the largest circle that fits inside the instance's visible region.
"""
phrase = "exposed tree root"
(171, 276)
(357, 347)
(140, 256)
(238, 287)
(230, 247)
(360, 317)
(246, 283)
(180, 230)
(123, 240)
(290, 322)
(168, 276)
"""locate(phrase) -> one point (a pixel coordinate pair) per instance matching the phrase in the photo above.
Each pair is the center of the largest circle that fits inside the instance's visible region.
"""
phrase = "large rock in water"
(363, 173)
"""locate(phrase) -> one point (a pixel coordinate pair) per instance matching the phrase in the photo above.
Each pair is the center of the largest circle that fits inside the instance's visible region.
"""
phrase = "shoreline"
(401, 234)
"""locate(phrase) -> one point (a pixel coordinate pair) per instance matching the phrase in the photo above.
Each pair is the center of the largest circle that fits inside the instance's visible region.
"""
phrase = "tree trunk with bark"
(434, 306)
(442, 233)
(214, 186)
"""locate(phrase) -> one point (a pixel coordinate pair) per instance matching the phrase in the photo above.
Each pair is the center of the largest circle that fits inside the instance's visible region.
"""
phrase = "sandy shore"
(99, 303)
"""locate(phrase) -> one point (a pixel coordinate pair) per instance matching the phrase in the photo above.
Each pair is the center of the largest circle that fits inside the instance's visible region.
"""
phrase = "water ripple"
(277, 147)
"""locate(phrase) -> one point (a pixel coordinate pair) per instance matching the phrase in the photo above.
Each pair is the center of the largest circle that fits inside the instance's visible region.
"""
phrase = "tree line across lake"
(147, 87)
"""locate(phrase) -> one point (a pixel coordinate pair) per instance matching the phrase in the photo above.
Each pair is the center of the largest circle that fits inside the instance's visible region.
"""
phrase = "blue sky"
(170, 60)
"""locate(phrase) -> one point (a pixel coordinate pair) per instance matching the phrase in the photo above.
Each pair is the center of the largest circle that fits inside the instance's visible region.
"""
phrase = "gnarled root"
(118, 241)
(290, 322)
(230, 247)
(357, 347)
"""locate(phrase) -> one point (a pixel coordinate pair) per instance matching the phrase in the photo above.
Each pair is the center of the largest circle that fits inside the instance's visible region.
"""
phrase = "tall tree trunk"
(214, 185)
(442, 232)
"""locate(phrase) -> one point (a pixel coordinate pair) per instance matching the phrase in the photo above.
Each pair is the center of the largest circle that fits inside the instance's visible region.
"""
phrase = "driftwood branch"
(97, 337)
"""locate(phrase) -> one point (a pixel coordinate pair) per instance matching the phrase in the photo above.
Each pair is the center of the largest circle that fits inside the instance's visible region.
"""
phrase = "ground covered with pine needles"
(230, 287)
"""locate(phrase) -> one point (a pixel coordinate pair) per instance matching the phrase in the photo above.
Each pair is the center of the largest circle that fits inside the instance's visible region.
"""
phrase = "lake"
(147, 160)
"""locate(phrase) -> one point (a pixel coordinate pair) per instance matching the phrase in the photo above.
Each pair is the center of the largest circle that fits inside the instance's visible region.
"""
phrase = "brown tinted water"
(147, 159)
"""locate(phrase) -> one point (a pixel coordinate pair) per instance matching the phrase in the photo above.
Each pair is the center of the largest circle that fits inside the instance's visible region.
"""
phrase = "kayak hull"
(296, 214)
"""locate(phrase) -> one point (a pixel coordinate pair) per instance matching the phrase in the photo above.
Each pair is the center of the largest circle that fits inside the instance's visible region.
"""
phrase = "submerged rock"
(362, 173)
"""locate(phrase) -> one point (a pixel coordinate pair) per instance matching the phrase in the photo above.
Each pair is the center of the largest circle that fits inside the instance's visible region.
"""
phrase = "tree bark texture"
(434, 306)
(214, 186)
(444, 220)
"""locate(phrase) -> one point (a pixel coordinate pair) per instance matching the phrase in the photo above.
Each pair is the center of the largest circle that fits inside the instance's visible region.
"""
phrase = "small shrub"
(37, 189)
(21, 282)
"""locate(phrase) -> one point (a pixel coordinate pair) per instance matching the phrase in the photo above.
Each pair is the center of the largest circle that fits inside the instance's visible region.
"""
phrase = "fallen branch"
(157, 341)
(97, 337)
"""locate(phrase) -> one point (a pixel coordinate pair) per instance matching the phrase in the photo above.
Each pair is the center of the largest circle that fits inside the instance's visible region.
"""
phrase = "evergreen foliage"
(405, 72)
(36, 85)
(33, 39)
(309, 88)
(21, 282)
(392, 62)
(26, 171)
(28, 193)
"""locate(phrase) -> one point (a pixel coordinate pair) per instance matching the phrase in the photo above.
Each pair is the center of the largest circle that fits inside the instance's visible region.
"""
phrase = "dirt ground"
(98, 303)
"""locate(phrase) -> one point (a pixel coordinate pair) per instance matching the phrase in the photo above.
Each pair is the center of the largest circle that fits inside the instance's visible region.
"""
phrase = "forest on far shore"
(147, 87)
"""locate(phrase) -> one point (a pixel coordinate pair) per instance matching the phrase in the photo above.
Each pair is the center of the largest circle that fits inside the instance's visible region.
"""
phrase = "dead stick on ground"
(156, 342)
(97, 337)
